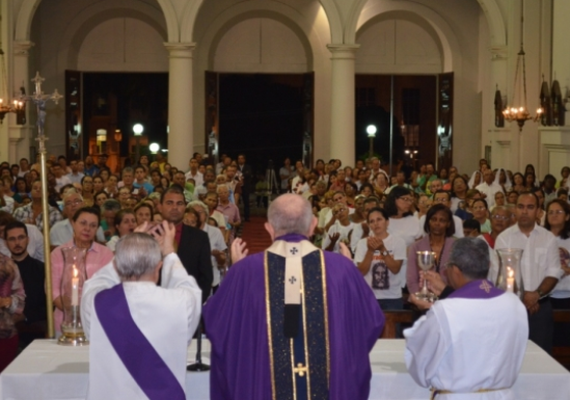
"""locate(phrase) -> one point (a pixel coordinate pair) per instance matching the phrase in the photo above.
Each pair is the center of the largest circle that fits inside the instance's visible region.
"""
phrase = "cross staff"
(40, 99)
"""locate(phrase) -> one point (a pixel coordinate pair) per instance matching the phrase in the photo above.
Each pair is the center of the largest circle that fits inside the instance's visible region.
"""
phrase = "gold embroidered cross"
(485, 286)
(301, 370)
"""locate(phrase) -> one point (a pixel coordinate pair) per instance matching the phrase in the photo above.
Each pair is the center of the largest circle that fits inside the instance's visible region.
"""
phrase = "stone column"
(21, 136)
(343, 102)
(180, 104)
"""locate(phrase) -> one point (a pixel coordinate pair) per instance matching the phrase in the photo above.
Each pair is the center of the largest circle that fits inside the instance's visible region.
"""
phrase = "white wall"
(260, 45)
(123, 45)
(397, 46)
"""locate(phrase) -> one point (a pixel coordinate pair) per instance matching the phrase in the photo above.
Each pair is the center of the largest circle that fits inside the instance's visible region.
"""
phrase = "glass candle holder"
(72, 279)
(509, 277)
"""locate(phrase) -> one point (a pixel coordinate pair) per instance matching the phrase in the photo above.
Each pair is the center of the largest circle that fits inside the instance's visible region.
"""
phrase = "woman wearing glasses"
(84, 222)
(481, 214)
(403, 223)
(558, 222)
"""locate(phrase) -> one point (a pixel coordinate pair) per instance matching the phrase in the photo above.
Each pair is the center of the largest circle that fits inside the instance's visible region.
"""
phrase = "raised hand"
(238, 250)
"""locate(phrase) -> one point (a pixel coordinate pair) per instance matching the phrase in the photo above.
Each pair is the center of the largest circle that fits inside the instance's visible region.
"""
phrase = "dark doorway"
(263, 116)
(115, 102)
(415, 117)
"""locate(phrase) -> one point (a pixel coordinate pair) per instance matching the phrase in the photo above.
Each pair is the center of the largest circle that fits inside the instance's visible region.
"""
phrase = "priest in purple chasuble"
(292, 322)
(140, 332)
(469, 346)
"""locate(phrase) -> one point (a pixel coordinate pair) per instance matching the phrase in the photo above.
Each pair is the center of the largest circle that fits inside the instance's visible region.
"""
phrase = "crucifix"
(300, 369)
(40, 99)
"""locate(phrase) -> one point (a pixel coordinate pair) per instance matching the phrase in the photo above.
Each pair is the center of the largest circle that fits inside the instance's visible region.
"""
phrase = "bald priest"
(293, 321)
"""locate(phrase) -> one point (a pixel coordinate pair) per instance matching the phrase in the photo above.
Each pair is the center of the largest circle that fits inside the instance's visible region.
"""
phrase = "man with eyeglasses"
(443, 197)
(62, 232)
(540, 267)
(35, 245)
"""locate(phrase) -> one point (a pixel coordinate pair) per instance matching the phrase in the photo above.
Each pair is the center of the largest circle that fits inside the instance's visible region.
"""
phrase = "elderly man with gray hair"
(293, 313)
(471, 343)
(139, 332)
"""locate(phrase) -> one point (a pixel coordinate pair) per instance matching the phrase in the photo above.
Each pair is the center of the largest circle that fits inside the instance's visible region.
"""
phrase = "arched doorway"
(259, 100)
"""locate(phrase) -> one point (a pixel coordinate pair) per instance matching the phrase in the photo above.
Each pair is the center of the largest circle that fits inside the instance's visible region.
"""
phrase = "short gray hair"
(471, 256)
(136, 254)
(198, 203)
(290, 213)
(111, 205)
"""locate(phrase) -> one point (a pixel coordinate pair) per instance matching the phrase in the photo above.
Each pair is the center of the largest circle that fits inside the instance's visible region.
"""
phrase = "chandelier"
(518, 111)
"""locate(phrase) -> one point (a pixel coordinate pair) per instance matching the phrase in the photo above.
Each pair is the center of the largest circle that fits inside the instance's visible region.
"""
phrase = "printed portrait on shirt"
(380, 278)
(564, 256)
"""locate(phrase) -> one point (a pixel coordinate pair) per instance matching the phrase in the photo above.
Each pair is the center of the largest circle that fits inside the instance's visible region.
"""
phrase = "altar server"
(293, 321)
(139, 332)
(470, 345)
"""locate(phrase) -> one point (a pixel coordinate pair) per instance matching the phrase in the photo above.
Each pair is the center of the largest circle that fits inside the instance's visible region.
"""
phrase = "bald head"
(290, 213)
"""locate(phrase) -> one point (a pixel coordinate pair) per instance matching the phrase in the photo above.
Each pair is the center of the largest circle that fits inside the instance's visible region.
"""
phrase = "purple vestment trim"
(138, 355)
(292, 237)
(478, 289)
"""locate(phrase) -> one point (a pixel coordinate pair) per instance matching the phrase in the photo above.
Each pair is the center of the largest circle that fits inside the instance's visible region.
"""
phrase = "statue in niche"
(558, 108)
(499, 117)
(545, 103)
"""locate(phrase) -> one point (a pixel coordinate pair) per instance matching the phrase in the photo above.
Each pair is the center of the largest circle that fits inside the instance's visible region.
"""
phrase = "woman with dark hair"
(350, 190)
(100, 198)
(529, 181)
(403, 223)
(518, 182)
(104, 174)
(87, 191)
(144, 213)
(558, 222)
(22, 190)
(440, 228)
(529, 169)
(358, 215)
(98, 184)
(480, 211)
(85, 223)
(125, 223)
(379, 257)
(366, 189)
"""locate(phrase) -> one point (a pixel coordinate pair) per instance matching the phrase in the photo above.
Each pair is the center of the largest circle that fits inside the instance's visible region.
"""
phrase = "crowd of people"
(384, 221)
(378, 221)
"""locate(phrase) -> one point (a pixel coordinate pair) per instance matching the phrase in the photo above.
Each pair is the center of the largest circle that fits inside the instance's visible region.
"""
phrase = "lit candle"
(75, 287)
(510, 280)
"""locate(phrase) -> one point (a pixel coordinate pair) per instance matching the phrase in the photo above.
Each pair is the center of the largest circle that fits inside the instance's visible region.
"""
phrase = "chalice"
(426, 261)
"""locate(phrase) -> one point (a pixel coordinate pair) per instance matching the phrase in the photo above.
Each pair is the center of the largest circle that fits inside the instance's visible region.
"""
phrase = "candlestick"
(510, 280)
(75, 287)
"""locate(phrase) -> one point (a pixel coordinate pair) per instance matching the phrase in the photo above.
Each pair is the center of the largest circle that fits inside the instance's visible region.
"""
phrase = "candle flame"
(75, 272)
(510, 272)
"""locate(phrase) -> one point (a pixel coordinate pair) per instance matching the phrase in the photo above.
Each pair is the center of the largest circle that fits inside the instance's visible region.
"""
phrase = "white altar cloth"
(46, 371)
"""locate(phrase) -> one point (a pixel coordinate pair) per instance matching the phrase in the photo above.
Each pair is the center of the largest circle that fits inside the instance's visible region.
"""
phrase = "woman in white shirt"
(340, 231)
(379, 258)
(125, 223)
(398, 205)
(558, 222)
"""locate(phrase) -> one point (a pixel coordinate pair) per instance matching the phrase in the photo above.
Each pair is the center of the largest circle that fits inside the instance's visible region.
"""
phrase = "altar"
(48, 371)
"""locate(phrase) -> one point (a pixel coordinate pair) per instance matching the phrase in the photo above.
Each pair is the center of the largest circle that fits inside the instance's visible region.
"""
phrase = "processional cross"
(40, 99)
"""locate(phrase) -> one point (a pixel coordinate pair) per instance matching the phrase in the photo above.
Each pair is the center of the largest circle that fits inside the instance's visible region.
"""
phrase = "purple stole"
(138, 355)
(477, 289)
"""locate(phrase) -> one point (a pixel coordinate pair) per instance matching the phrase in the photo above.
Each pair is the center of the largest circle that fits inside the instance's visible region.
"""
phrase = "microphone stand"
(198, 366)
